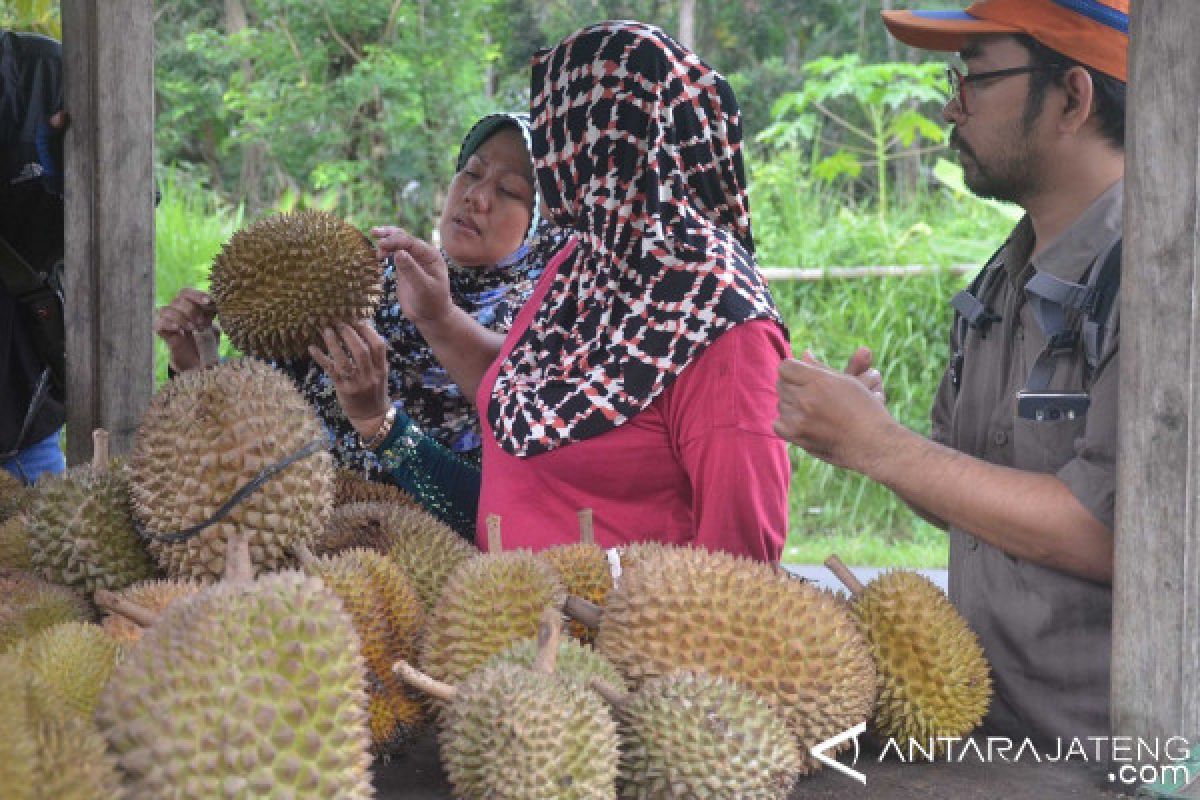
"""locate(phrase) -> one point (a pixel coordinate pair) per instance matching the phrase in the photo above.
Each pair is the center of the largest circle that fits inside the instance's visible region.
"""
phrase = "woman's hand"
(355, 359)
(189, 312)
(422, 280)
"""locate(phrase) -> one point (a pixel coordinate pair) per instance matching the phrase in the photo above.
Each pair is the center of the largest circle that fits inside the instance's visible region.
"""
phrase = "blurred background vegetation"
(358, 106)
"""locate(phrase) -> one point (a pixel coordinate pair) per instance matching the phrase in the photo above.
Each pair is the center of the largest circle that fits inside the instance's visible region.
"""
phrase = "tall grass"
(190, 225)
(903, 320)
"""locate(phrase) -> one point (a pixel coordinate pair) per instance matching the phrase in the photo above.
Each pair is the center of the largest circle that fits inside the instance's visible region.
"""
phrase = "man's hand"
(860, 367)
(190, 311)
(422, 279)
(355, 359)
(838, 417)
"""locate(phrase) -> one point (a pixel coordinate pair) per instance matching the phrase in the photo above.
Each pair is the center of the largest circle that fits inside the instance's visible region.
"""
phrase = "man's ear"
(1080, 95)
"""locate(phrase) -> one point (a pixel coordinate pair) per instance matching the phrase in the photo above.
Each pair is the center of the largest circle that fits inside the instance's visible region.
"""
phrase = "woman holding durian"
(495, 244)
(637, 380)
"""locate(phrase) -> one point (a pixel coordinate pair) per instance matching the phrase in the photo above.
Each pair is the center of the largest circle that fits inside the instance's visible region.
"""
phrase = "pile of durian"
(221, 614)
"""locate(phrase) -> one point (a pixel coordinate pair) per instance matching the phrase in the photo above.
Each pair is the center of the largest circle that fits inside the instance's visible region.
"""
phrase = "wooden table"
(417, 775)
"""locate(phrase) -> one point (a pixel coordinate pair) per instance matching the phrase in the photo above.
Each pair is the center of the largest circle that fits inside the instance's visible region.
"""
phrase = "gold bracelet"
(385, 428)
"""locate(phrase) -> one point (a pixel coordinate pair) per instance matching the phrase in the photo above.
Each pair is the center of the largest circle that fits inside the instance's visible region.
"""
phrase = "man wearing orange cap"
(1020, 465)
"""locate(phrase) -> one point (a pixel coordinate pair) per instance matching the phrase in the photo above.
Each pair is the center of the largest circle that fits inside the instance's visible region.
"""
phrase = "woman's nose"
(478, 196)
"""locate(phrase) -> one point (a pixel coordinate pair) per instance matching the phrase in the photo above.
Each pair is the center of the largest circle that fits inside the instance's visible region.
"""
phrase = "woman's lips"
(466, 225)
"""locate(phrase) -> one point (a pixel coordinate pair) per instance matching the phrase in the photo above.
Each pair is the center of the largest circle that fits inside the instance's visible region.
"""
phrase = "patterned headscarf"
(493, 296)
(637, 148)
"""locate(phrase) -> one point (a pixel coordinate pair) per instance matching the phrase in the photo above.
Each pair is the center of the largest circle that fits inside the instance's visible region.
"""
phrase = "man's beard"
(1010, 176)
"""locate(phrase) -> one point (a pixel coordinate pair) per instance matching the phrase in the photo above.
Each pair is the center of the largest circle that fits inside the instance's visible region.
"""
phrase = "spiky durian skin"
(491, 601)
(350, 488)
(81, 531)
(12, 493)
(47, 752)
(244, 691)
(388, 617)
(281, 280)
(29, 604)
(575, 662)
(357, 525)
(14, 543)
(693, 736)
(585, 571)
(933, 678)
(797, 646)
(515, 734)
(73, 659)
(151, 595)
(207, 434)
(427, 550)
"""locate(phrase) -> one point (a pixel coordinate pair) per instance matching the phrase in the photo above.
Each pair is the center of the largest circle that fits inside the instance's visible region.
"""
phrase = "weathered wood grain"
(1156, 633)
(108, 63)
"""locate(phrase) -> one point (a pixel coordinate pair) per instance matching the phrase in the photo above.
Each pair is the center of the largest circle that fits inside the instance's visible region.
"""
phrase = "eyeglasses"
(959, 82)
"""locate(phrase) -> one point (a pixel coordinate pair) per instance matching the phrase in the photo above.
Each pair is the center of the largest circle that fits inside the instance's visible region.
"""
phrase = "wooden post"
(108, 67)
(1156, 598)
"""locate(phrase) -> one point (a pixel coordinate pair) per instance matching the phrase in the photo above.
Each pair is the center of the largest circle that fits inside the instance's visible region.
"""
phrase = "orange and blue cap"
(1092, 32)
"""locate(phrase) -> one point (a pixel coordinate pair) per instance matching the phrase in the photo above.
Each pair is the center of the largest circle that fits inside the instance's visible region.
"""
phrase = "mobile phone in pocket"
(1052, 406)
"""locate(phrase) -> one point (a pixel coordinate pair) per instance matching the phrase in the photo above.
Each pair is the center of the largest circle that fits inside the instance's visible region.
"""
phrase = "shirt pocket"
(1045, 445)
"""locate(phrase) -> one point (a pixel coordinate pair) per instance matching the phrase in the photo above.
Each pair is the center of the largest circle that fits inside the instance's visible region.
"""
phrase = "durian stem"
(587, 528)
(495, 543)
(206, 346)
(548, 635)
(844, 575)
(611, 694)
(304, 556)
(422, 682)
(585, 613)
(238, 566)
(99, 450)
(138, 615)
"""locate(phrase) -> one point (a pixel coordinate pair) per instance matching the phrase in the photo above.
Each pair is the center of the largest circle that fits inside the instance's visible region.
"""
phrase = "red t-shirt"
(701, 465)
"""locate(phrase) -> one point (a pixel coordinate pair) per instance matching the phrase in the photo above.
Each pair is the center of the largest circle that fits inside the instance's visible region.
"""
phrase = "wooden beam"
(1156, 626)
(108, 63)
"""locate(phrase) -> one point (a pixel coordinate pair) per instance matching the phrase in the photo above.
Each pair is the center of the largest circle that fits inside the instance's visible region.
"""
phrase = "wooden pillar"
(1156, 627)
(108, 62)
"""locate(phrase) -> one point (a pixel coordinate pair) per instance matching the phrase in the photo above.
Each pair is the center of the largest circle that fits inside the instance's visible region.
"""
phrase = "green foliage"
(849, 115)
(38, 16)
(354, 104)
(191, 225)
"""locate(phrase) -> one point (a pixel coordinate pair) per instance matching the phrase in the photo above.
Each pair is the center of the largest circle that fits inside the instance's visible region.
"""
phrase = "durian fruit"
(350, 488)
(491, 601)
(208, 434)
(388, 617)
(576, 663)
(29, 604)
(154, 596)
(73, 659)
(47, 752)
(281, 280)
(694, 736)
(513, 733)
(80, 527)
(798, 646)
(933, 679)
(584, 570)
(357, 525)
(250, 689)
(14, 543)
(632, 554)
(427, 550)
(12, 494)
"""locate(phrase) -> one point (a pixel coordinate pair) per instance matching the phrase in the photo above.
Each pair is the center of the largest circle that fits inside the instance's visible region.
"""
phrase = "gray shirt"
(1046, 634)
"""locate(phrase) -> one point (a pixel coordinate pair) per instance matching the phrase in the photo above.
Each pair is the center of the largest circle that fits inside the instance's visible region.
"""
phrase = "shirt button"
(1000, 438)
